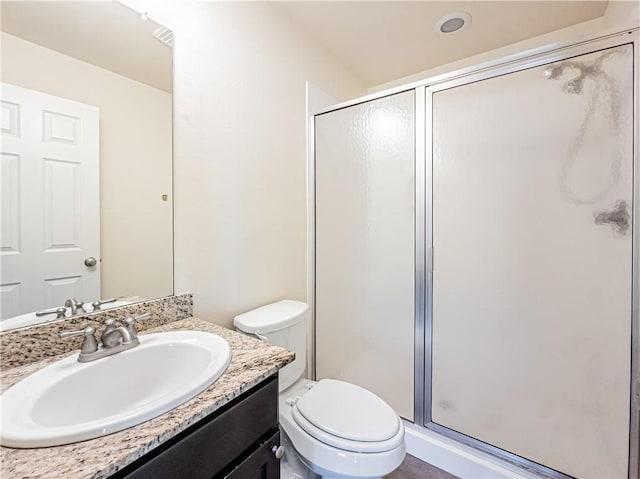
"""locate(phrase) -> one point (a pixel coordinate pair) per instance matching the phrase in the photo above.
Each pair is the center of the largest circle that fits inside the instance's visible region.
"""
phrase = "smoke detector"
(452, 23)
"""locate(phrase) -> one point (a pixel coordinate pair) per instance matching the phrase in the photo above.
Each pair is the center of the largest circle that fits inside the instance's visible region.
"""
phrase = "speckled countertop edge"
(252, 362)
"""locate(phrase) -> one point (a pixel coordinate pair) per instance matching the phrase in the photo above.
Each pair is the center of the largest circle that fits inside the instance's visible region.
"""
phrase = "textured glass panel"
(532, 262)
(364, 247)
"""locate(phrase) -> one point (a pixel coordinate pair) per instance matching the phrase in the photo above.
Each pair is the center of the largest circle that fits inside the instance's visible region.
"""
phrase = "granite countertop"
(252, 362)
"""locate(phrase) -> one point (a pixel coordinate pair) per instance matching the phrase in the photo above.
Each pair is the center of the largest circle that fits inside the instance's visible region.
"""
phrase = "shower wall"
(532, 195)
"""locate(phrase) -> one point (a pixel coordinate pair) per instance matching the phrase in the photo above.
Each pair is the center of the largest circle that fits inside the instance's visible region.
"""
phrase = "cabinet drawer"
(213, 444)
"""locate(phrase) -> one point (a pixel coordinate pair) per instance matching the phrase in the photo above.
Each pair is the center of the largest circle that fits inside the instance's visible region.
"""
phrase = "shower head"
(553, 71)
(574, 86)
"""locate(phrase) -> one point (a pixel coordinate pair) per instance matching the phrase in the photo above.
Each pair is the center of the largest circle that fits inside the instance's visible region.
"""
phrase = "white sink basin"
(69, 401)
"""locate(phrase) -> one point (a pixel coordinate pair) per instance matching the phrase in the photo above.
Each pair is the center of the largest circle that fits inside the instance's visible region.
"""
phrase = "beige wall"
(135, 156)
(240, 71)
(240, 166)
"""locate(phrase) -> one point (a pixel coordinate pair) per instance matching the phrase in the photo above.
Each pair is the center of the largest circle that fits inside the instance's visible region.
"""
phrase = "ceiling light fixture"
(452, 23)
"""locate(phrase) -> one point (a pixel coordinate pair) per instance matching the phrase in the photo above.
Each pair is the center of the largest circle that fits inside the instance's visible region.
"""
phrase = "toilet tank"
(282, 324)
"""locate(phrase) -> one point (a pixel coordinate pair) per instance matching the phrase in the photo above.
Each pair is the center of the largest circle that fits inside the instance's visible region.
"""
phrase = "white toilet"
(330, 428)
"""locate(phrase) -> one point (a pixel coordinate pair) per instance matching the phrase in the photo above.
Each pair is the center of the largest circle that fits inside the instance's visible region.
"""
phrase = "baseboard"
(458, 459)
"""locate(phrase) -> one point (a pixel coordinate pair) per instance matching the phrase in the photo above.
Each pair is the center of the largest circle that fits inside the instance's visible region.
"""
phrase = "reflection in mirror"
(86, 165)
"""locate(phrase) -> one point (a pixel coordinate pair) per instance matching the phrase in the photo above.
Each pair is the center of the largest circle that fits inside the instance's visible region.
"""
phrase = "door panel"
(10, 172)
(61, 212)
(532, 238)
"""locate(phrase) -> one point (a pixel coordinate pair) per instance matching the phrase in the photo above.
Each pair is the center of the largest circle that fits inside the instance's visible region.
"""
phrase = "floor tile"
(414, 468)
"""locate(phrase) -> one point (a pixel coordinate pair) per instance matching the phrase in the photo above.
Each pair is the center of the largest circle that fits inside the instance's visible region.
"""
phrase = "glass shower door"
(364, 222)
(532, 262)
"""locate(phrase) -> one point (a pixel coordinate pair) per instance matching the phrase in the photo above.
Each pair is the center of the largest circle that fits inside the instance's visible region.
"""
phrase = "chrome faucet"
(114, 339)
(112, 336)
(77, 307)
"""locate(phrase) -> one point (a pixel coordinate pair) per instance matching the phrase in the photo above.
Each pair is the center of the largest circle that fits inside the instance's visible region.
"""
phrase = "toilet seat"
(348, 417)
(325, 459)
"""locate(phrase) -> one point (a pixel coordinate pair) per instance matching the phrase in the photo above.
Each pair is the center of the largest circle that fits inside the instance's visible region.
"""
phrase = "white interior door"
(532, 280)
(50, 201)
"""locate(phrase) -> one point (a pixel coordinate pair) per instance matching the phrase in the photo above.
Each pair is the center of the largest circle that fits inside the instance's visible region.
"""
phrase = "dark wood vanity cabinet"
(238, 441)
(261, 464)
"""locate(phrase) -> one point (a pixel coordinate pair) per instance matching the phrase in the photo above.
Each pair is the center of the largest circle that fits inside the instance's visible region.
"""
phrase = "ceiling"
(382, 41)
(378, 41)
(104, 33)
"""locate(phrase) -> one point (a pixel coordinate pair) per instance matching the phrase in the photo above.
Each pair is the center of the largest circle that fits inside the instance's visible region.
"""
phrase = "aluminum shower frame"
(424, 90)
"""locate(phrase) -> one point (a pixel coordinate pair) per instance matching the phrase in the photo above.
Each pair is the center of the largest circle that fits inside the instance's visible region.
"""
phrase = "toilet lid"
(272, 317)
(346, 412)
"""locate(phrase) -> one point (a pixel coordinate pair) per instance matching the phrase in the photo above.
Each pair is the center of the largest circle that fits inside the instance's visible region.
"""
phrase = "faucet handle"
(59, 312)
(133, 319)
(130, 323)
(81, 332)
(97, 304)
(89, 345)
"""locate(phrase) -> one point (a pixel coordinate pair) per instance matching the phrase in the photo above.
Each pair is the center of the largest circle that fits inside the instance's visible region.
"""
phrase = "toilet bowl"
(330, 428)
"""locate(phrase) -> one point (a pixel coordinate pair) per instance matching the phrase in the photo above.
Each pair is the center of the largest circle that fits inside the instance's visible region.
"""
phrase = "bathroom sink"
(69, 401)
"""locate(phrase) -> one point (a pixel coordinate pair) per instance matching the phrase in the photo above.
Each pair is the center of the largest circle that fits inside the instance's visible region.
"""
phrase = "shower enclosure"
(476, 256)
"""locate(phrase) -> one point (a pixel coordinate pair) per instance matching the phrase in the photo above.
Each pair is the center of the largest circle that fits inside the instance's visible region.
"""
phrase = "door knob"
(90, 261)
(278, 451)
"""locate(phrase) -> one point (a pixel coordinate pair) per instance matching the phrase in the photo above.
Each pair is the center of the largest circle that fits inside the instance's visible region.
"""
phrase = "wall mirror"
(86, 190)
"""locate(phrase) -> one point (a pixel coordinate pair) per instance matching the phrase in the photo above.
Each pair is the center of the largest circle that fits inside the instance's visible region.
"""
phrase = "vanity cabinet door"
(261, 464)
(220, 443)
